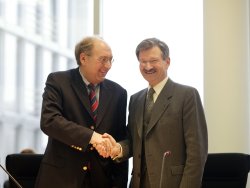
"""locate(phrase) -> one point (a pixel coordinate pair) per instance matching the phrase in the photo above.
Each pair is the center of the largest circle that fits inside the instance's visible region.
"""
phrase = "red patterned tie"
(93, 100)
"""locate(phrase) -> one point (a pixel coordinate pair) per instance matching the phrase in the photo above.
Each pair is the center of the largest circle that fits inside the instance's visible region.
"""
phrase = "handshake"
(106, 145)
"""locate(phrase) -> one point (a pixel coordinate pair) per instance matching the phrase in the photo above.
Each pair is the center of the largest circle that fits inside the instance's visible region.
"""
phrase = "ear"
(168, 61)
(82, 58)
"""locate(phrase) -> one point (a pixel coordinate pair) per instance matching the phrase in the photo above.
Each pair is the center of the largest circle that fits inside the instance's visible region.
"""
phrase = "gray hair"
(86, 46)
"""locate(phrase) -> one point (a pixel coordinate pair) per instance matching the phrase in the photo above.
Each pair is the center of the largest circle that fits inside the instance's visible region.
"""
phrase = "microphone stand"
(16, 182)
(166, 154)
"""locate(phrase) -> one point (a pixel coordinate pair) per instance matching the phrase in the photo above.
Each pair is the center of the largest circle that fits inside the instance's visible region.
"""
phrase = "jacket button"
(92, 127)
(85, 168)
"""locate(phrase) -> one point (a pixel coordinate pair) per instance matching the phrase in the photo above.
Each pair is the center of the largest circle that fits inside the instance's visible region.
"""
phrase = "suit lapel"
(140, 111)
(161, 104)
(80, 89)
(104, 100)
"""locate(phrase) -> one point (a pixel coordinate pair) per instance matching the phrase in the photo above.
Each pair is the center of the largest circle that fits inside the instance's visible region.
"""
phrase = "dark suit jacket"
(177, 125)
(66, 119)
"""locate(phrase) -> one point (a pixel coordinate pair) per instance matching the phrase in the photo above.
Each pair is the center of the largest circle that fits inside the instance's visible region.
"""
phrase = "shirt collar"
(159, 86)
(85, 80)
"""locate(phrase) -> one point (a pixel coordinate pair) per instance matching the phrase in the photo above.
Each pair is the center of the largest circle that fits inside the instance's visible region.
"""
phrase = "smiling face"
(96, 65)
(152, 65)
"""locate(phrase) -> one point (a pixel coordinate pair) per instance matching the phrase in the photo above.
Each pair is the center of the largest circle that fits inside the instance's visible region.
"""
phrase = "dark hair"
(85, 46)
(28, 151)
(150, 43)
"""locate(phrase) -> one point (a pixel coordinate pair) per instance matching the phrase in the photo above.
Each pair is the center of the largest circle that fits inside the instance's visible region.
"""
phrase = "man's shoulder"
(112, 84)
(185, 90)
(63, 78)
(65, 74)
(140, 93)
(183, 87)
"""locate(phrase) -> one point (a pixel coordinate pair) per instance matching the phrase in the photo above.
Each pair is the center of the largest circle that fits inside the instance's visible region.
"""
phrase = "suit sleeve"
(196, 140)
(53, 121)
(120, 170)
(127, 144)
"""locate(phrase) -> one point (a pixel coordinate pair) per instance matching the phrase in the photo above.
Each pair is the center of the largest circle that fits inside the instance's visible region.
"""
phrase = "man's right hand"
(101, 144)
(116, 150)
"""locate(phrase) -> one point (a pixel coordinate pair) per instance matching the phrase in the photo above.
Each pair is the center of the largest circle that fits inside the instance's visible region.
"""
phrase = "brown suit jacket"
(177, 125)
(66, 119)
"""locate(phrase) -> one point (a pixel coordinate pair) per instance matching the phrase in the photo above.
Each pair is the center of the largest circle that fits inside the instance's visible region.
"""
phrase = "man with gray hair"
(79, 105)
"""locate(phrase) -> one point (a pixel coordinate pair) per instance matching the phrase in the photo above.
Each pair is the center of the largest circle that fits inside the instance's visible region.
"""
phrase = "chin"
(151, 82)
(101, 79)
(148, 79)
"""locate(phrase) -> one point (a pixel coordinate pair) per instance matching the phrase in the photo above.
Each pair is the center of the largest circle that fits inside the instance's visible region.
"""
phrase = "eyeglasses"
(104, 60)
(151, 62)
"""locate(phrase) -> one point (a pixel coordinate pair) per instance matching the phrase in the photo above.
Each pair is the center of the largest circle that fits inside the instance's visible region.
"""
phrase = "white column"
(2, 54)
(20, 97)
(39, 82)
(71, 64)
(226, 74)
(55, 62)
(97, 19)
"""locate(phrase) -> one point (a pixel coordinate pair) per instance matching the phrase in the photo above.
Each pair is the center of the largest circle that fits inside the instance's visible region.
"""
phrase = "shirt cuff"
(120, 154)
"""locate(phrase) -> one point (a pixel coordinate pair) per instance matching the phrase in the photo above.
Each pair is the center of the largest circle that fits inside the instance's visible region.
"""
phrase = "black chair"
(24, 168)
(226, 170)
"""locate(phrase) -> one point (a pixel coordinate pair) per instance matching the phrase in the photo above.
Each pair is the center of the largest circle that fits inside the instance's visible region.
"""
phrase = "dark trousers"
(144, 181)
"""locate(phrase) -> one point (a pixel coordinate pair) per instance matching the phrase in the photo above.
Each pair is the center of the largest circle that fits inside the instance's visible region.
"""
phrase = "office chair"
(24, 168)
(226, 170)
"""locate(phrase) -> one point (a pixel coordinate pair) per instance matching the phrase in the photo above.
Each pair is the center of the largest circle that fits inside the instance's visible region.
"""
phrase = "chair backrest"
(24, 168)
(226, 170)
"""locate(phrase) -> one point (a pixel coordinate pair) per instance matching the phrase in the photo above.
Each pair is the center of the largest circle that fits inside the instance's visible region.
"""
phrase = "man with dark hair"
(165, 119)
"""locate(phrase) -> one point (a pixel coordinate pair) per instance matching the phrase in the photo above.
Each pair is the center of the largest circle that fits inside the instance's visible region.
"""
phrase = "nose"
(147, 65)
(108, 64)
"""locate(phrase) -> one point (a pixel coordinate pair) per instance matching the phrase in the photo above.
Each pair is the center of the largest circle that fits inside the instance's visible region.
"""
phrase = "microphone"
(165, 155)
(16, 182)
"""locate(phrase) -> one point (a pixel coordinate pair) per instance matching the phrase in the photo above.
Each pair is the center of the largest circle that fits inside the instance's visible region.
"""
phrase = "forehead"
(150, 53)
(101, 48)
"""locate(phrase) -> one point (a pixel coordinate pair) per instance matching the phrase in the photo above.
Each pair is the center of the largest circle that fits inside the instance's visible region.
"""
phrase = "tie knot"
(91, 87)
(151, 91)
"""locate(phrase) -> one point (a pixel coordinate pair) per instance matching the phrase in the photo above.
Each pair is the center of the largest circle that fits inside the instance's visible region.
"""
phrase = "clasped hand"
(105, 145)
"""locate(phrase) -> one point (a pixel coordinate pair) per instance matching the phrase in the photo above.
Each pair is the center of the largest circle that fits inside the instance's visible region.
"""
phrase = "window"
(179, 23)
(36, 38)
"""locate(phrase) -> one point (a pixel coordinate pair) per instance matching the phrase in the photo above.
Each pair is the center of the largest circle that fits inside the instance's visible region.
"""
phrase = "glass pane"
(62, 63)
(2, 7)
(179, 23)
(47, 64)
(10, 12)
(9, 96)
(29, 80)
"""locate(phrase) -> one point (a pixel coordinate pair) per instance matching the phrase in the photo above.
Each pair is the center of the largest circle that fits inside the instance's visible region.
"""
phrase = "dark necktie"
(149, 103)
(148, 106)
(93, 100)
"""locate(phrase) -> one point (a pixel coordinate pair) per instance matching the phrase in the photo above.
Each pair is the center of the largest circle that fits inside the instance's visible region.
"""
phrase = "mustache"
(149, 71)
